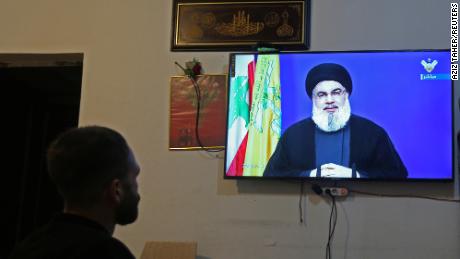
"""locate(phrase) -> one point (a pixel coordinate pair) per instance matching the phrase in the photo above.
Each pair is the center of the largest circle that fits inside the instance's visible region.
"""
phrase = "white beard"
(331, 122)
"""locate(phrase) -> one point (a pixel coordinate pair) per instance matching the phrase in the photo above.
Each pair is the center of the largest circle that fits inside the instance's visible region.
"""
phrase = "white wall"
(126, 86)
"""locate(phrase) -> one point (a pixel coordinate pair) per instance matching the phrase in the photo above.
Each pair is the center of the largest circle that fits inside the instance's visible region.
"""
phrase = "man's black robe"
(372, 153)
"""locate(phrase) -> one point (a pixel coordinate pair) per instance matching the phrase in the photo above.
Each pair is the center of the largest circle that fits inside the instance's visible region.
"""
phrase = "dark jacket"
(71, 237)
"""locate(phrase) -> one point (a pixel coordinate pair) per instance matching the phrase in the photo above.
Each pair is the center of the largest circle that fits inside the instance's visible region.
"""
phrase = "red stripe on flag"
(251, 77)
(236, 167)
(242, 149)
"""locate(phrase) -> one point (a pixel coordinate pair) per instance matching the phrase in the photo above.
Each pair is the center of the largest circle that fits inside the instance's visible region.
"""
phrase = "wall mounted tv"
(354, 115)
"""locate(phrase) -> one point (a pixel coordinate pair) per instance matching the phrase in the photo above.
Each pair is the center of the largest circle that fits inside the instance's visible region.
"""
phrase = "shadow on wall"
(41, 99)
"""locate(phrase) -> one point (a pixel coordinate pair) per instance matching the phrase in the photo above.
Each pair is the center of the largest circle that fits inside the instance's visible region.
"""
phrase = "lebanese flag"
(240, 102)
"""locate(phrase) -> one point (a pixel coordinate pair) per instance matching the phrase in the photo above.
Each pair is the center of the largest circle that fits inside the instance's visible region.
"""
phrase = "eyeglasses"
(334, 93)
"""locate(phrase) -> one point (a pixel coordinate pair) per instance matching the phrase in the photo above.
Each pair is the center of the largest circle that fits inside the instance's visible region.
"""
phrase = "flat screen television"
(353, 115)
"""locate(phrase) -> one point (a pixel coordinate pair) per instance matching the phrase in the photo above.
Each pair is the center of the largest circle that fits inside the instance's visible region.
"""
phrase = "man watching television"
(95, 172)
(333, 142)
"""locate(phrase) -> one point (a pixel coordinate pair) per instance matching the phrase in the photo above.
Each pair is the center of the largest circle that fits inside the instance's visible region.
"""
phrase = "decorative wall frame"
(212, 120)
(240, 25)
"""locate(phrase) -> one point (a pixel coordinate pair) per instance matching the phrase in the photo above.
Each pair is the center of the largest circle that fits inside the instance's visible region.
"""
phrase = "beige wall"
(126, 75)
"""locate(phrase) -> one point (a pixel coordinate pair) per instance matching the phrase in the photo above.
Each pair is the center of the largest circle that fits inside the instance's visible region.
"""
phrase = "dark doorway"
(41, 99)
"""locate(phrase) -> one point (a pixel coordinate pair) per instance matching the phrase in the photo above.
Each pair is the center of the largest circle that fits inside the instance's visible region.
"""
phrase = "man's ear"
(115, 191)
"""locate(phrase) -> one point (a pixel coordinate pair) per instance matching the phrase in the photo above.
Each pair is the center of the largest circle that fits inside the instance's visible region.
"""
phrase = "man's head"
(92, 166)
(329, 86)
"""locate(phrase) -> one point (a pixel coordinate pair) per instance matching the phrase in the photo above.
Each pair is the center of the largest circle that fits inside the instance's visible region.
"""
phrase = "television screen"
(385, 115)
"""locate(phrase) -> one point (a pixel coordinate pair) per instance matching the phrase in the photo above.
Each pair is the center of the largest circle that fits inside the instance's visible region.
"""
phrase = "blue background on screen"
(387, 89)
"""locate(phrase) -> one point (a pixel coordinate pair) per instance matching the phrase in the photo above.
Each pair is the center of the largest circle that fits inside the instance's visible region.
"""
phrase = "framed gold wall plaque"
(240, 25)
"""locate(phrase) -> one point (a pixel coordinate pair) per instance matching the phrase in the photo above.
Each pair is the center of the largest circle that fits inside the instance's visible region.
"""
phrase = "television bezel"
(330, 179)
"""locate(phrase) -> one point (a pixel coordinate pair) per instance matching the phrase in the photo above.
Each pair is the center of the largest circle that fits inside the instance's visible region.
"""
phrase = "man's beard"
(127, 212)
(331, 122)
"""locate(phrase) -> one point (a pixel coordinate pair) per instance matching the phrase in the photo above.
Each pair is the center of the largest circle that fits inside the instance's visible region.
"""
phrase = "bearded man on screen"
(334, 142)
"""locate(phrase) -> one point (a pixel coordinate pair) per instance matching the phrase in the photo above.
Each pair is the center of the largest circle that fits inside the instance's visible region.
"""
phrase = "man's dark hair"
(82, 161)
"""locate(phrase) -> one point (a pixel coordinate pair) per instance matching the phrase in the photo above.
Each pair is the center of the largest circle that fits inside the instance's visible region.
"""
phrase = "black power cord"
(198, 104)
(333, 215)
(300, 202)
(332, 224)
(197, 118)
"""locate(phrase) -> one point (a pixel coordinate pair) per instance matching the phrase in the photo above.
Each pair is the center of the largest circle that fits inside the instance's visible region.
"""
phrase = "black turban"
(328, 71)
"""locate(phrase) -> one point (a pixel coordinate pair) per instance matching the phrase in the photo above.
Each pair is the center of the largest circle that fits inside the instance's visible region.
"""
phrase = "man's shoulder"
(67, 240)
(301, 125)
(108, 248)
(365, 124)
(75, 248)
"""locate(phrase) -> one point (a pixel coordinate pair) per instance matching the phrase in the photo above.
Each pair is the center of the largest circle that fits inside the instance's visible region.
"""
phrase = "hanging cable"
(334, 215)
(197, 117)
(332, 224)
(301, 202)
(191, 76)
